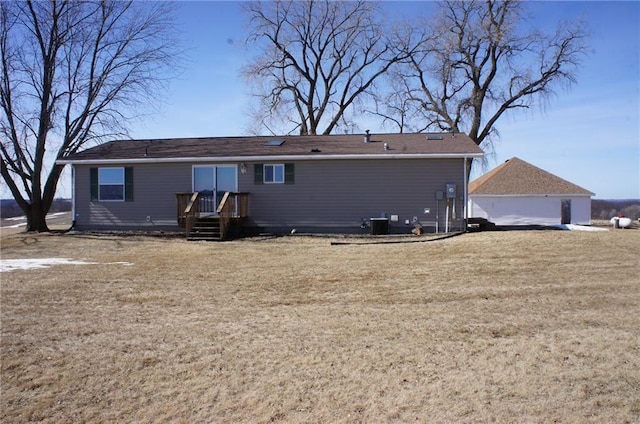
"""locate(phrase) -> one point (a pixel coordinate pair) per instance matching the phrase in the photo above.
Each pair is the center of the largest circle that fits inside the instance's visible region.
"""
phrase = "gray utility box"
(379, 226)
(451, 191)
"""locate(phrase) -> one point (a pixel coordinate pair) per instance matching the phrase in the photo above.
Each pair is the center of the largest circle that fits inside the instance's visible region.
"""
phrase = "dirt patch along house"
(320, 184)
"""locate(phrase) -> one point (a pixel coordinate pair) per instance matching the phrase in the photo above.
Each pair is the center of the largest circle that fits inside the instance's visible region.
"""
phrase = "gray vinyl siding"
(327, 196)
(340, 194)
(154, 195)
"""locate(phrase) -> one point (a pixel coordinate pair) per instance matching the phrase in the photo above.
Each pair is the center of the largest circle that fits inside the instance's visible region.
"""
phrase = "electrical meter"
(451, 191)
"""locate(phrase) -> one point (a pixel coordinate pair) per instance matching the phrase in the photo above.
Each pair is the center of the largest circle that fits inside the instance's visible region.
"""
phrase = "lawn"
(519, 326)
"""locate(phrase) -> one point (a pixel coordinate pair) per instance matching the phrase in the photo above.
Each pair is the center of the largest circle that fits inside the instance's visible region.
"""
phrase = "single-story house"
(325, 184)
(518, 193)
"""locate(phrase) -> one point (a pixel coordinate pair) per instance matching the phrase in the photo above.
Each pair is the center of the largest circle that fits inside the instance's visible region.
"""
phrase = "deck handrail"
(192, 212)
(225, 212)
(182, 199)
(232, 205)
(205, 200)
(192, 206)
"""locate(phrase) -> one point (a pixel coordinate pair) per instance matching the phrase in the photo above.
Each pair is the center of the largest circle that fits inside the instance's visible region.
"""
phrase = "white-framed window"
(112, 184)
(274, 173)
(278, 173)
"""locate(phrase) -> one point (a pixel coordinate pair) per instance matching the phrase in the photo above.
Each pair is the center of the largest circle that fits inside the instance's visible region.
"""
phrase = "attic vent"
(274, 143)
(434, 137)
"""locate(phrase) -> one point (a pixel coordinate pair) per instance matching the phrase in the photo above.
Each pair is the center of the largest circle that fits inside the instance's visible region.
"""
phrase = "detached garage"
(518, 193)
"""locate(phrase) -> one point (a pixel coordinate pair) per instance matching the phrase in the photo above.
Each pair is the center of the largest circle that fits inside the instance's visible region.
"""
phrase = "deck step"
(206, 228)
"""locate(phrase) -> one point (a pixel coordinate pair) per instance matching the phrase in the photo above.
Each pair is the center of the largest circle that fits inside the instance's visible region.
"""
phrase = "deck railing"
(232, 205)
(202, 203)
(191, 206)
(192, 212)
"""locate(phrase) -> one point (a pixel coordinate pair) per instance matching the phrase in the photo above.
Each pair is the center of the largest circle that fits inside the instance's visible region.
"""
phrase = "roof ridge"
(483, 179)
(516, 176)
(298, 136)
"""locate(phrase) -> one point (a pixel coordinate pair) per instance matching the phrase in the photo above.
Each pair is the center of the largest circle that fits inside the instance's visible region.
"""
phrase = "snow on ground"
(573, 227)
(13, 264)
(22, 220)
(22, 224)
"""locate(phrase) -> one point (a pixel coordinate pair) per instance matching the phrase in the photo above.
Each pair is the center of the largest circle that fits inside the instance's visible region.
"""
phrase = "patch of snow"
(24, 218)
(13, 264)
(23, 224)
(574, 227)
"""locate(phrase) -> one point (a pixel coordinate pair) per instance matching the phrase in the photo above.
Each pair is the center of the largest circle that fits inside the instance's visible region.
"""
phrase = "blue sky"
(589, 134)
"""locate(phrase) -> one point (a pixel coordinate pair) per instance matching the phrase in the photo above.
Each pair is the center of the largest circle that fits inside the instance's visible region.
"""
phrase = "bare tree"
(72, 73)
(478, 62)
(319, 59)
(395, 108)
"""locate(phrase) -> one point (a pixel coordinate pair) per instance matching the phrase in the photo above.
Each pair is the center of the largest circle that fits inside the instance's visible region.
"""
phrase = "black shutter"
(128, 184)
(289, 173)
(258, 173)
(93, 183)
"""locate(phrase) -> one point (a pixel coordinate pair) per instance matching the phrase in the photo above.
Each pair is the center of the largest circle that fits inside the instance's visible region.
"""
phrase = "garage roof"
(517, 177)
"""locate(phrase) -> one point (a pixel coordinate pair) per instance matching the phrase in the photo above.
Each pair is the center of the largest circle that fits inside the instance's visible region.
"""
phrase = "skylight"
(274, 143)
(434, 137)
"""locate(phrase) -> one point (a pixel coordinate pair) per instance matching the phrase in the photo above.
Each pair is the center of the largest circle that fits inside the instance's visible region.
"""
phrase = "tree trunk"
(63, 67)
(37, 220)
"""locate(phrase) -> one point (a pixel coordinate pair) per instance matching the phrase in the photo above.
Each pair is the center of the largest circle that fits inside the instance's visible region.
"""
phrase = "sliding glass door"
(212, 181)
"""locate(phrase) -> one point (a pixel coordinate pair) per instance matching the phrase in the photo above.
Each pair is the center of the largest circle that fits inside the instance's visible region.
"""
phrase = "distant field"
(55, 221)
(520, 326)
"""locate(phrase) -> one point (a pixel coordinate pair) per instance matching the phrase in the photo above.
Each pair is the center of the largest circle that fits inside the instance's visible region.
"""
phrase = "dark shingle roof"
(516, 176)
(302, 146)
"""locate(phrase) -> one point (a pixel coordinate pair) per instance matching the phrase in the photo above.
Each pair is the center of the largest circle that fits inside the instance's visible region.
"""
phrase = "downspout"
(465, 214)
(73, 196)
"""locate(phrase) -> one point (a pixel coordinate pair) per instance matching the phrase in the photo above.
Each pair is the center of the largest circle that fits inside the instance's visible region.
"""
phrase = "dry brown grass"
(537, 326)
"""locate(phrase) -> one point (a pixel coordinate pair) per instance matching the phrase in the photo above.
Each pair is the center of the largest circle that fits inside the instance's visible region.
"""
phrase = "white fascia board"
(266, 158)
(529, 195)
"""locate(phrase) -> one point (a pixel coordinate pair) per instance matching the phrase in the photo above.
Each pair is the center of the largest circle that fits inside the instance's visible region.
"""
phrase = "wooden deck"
(197, 214)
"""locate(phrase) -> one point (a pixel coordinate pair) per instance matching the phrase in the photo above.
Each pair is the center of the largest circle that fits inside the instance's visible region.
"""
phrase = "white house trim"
(274, 158)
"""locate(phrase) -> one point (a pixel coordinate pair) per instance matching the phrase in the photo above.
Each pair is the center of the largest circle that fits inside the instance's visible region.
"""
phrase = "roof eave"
(533, 195)
(256, 158)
